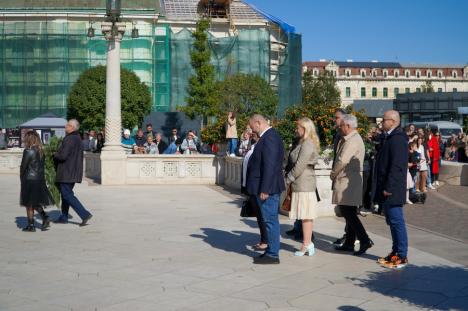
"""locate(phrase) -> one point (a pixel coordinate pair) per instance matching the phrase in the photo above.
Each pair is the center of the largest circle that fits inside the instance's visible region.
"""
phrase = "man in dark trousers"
(391, 175)
(69, 160)
(265, 180)
(339, 114)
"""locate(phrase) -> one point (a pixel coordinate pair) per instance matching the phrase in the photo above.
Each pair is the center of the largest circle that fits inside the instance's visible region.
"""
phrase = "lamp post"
(113, 30)
(113, 157)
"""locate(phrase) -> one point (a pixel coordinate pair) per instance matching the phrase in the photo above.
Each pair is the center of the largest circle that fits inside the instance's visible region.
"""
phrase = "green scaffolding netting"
(247, 52)
(40, 60)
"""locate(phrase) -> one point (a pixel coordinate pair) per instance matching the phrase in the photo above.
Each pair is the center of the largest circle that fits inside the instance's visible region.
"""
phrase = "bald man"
(391, 175)
(265, 181)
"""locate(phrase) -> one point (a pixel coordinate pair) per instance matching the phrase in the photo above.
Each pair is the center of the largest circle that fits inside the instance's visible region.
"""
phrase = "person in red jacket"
(434, 153)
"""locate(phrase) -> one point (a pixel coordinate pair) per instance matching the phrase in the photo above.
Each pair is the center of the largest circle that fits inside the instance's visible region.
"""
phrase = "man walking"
(391, 174)
(347, 184)
(265, 181)
(69, 159)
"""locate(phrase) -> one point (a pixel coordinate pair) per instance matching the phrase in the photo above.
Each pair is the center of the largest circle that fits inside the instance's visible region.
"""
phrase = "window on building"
(418, 74)
(363, 92)
(374, 73)
(348, 92)
(348, 73)
(407, 90)
(429, 74)
(315, 72)
(407, 73)
(385, 92)
(439, 74)
(374, 92)
(363, 74)
(455, 89)
(454, 74)
(385, 73)
(396, 91)
(439, 90)
(396, 74)
(418, 90)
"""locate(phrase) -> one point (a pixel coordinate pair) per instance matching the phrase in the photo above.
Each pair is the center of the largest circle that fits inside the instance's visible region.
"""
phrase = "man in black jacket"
(391, 175)
(69, 160)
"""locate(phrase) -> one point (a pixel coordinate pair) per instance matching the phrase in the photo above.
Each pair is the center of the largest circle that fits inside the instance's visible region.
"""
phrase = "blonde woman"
(34, 193)
(300, 176)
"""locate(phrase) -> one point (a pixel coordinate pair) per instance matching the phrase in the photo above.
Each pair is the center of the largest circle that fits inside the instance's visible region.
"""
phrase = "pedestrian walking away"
(34, 193)
(69, 160)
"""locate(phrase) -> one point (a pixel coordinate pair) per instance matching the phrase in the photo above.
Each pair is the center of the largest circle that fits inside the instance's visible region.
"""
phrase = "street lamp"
(113, 10)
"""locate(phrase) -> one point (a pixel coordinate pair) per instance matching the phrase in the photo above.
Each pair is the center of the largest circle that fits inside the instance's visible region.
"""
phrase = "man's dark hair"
(178, 141)
(340, 110)
(149, 124)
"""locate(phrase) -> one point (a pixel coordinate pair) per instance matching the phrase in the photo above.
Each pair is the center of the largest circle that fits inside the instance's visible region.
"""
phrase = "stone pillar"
(113, 157)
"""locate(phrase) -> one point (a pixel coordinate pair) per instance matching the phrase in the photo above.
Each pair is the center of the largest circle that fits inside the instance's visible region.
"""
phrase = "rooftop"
(374, 64)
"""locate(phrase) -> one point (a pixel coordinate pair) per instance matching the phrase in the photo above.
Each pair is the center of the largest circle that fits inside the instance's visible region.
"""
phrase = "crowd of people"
(399, 162)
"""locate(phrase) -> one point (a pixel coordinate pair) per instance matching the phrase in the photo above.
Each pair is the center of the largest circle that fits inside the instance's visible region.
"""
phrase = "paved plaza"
(186, 248)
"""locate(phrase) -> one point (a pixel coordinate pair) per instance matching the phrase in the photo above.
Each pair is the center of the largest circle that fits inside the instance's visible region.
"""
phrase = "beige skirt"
(303, 205)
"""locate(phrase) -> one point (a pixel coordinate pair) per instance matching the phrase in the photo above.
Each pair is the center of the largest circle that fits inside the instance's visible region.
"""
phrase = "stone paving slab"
(186, 248)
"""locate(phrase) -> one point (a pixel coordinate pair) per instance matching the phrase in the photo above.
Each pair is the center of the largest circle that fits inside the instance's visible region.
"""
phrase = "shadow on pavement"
(234, 242)
(437, 287)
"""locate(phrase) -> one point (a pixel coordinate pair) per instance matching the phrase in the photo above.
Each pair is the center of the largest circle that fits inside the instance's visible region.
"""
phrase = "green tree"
(202, 97)
(244, 94)
(320, 90)
(427, 87)
(87, 98)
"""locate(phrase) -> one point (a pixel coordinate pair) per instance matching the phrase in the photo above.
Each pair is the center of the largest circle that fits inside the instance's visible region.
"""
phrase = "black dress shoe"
(363, 248)
(345, 248)
(84, 222)
(29, 228)
(340, 240)
(61, 220)
(266, 260)
(45, 223)
(291, 232)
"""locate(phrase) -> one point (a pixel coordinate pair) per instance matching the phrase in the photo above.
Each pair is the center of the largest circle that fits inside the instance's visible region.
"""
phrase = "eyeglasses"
(388, 119)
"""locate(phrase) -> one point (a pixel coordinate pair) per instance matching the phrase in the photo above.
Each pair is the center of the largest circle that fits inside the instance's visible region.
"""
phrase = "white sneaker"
(232, 155)
(431, 187)
(409, 202)
(437, 183)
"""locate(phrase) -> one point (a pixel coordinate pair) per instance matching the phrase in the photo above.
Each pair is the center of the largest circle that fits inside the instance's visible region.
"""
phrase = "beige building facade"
(384, 80)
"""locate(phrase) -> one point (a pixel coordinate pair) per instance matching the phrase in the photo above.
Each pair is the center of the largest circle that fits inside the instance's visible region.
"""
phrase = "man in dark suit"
(69, 159)
(162, 146)
(265, 180)
(391, 174)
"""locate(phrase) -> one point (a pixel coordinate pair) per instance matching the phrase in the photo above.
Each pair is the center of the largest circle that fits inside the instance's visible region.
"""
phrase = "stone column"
(113, 157)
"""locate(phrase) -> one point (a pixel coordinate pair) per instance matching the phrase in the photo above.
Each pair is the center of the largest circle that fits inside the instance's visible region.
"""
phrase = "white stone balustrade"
(10, 161)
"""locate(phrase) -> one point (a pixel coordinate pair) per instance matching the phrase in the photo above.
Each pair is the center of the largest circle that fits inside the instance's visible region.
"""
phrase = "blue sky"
(410, 31)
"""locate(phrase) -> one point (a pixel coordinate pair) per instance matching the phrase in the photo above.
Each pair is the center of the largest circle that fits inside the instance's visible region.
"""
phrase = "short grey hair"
(351, 120)
(75, 124)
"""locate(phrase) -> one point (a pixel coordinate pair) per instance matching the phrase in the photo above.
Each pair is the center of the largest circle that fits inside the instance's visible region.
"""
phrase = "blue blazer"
(265, 168)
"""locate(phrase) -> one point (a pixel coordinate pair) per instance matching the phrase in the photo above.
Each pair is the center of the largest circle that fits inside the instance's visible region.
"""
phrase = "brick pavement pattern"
(186, 248)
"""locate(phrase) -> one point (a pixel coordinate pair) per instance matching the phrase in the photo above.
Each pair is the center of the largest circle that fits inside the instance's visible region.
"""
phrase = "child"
(413, 163)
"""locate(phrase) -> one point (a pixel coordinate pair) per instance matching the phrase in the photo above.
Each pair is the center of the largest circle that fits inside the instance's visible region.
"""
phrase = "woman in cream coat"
(301, 178)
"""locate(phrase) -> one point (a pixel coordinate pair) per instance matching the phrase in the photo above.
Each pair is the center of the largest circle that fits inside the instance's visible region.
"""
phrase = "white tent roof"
(45, 121)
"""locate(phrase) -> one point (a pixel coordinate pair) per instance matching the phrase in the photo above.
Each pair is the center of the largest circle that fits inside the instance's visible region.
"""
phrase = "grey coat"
(302, 160)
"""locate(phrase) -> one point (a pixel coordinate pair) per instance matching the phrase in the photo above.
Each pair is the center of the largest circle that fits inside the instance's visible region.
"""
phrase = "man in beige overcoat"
(347, 184)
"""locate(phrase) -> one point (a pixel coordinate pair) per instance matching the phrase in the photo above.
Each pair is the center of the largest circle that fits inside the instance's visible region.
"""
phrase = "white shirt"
(265, 131)
(245, 164)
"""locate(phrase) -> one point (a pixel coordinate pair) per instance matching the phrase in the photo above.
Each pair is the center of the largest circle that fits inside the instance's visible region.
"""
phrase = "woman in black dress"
(34, 192)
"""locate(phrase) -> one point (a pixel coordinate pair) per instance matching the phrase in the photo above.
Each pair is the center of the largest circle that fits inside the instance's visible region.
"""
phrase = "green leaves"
(202, 97)
(87, 98)
(320, 90)
(50, 171)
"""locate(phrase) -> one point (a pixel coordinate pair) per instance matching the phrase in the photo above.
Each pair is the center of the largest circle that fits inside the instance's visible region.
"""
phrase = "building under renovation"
(46, 44)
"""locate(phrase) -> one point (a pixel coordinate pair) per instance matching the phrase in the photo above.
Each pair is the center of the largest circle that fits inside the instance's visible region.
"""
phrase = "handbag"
(247, 209)
(287, 200)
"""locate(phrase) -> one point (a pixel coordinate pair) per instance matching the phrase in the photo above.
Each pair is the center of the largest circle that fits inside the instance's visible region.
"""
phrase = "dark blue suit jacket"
(265, 168)
(391, 168)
